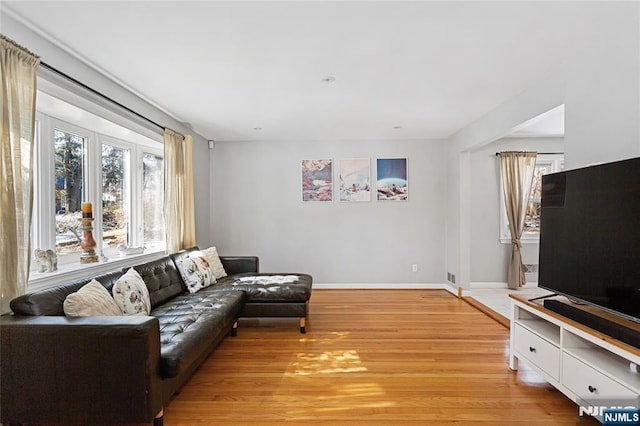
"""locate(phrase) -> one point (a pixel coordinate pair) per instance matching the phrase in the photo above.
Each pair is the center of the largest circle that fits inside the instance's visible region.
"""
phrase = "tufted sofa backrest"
(162, 279)
(49, 301)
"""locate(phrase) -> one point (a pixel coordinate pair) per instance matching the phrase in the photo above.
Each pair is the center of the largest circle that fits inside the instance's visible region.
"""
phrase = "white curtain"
(179, 210)
(18, 99)
(516, 169)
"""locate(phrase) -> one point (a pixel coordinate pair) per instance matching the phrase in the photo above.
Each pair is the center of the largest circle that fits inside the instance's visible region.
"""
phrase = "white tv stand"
(589, 367)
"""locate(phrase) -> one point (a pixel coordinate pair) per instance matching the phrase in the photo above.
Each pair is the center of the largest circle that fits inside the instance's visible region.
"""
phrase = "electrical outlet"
(414, 267)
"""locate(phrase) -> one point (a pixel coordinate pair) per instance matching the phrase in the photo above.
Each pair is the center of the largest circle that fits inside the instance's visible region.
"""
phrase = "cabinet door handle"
(591, 389)
(532, 349)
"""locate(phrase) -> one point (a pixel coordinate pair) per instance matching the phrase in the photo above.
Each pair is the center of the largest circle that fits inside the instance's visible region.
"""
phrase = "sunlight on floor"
(367, 395)
(327, 363)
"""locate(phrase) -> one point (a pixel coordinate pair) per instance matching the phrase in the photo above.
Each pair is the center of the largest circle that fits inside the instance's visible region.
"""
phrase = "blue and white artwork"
(392, 181)
(355, 179)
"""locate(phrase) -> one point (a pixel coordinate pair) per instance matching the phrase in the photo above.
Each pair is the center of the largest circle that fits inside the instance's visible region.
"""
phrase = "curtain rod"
(543, 153)
(95, 92)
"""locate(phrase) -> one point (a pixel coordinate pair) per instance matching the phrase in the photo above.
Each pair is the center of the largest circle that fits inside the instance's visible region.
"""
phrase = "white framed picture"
(317, 180)
(392, 183)
(355, 179)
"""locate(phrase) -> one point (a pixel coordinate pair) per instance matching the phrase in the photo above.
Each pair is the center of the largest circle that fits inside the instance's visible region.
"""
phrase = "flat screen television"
(590, 236)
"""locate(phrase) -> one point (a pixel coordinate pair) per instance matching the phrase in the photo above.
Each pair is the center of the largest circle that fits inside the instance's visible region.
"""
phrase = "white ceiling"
(549, 125)
(402, 69)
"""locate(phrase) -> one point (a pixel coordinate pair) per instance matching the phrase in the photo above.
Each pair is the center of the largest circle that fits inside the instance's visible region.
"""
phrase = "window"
(80, 156)
(152, 191)
(69, 158)
(115, 197)
(545, 163)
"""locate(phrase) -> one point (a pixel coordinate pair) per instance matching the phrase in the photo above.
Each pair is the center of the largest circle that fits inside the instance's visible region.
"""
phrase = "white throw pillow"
(195, 272)
(91, 300)
(131, 294)
(211, 254)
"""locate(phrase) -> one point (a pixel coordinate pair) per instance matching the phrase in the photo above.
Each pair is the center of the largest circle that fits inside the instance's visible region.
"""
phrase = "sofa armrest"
(57, 369)
(240, 264)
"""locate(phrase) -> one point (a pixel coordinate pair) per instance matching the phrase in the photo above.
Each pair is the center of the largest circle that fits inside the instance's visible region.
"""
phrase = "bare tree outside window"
(70, 154)
(114, 196)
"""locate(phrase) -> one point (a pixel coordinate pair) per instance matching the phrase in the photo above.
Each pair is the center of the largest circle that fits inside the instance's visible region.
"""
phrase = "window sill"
(76, 271)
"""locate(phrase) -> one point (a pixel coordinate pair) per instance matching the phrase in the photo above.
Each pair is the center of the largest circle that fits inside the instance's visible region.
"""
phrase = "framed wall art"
(317, 180)
(355, 179)
(392, 179)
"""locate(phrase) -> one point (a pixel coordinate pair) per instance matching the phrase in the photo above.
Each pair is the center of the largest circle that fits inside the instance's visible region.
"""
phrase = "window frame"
(556, 164)
(43, 218)
(43, 232)
(140, 189)
(130, 189)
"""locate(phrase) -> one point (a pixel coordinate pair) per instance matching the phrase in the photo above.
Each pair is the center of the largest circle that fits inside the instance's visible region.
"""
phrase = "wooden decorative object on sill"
(88, 244)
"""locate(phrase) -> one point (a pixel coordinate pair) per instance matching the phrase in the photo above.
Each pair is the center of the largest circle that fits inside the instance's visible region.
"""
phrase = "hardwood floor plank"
(374, 357)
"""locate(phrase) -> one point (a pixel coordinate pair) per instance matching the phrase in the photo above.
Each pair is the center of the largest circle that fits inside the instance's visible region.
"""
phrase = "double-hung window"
(545, 163)
(81, 156)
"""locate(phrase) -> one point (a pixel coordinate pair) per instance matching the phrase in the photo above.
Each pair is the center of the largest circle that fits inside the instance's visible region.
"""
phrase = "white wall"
(599, 84)
(489, 257)
(602, 108)
(258, 209)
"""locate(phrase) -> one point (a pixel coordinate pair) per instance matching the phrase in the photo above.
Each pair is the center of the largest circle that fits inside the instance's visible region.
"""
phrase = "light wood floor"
(374, 357)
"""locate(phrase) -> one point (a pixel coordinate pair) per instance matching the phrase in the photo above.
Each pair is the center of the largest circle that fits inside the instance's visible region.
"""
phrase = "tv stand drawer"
(591, 385)
(538, 351)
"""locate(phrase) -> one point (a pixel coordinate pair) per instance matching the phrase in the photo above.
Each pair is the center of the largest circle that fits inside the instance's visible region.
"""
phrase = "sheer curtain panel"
(179, 211)
(516, 169)
(18, 99)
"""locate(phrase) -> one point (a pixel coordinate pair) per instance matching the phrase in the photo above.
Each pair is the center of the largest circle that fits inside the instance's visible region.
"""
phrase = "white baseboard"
(391, 286)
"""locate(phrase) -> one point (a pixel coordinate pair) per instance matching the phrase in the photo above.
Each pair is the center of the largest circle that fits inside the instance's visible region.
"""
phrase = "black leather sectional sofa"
(123, 369)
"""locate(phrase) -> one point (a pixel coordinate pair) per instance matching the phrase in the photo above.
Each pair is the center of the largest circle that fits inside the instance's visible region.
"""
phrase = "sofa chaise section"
(267, 294)
(272, 295)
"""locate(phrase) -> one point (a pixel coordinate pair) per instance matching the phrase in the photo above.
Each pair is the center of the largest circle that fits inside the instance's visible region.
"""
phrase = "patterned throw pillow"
(211, 254)
(91, 300)
(131, 294)
(195, 272)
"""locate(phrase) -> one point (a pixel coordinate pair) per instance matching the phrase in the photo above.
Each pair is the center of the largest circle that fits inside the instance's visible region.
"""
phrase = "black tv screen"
(590, 236)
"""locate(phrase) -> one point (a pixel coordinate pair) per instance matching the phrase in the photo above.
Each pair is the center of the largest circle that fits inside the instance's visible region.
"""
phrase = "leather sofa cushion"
(234, 265)
(191, 323)
(260, 290)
